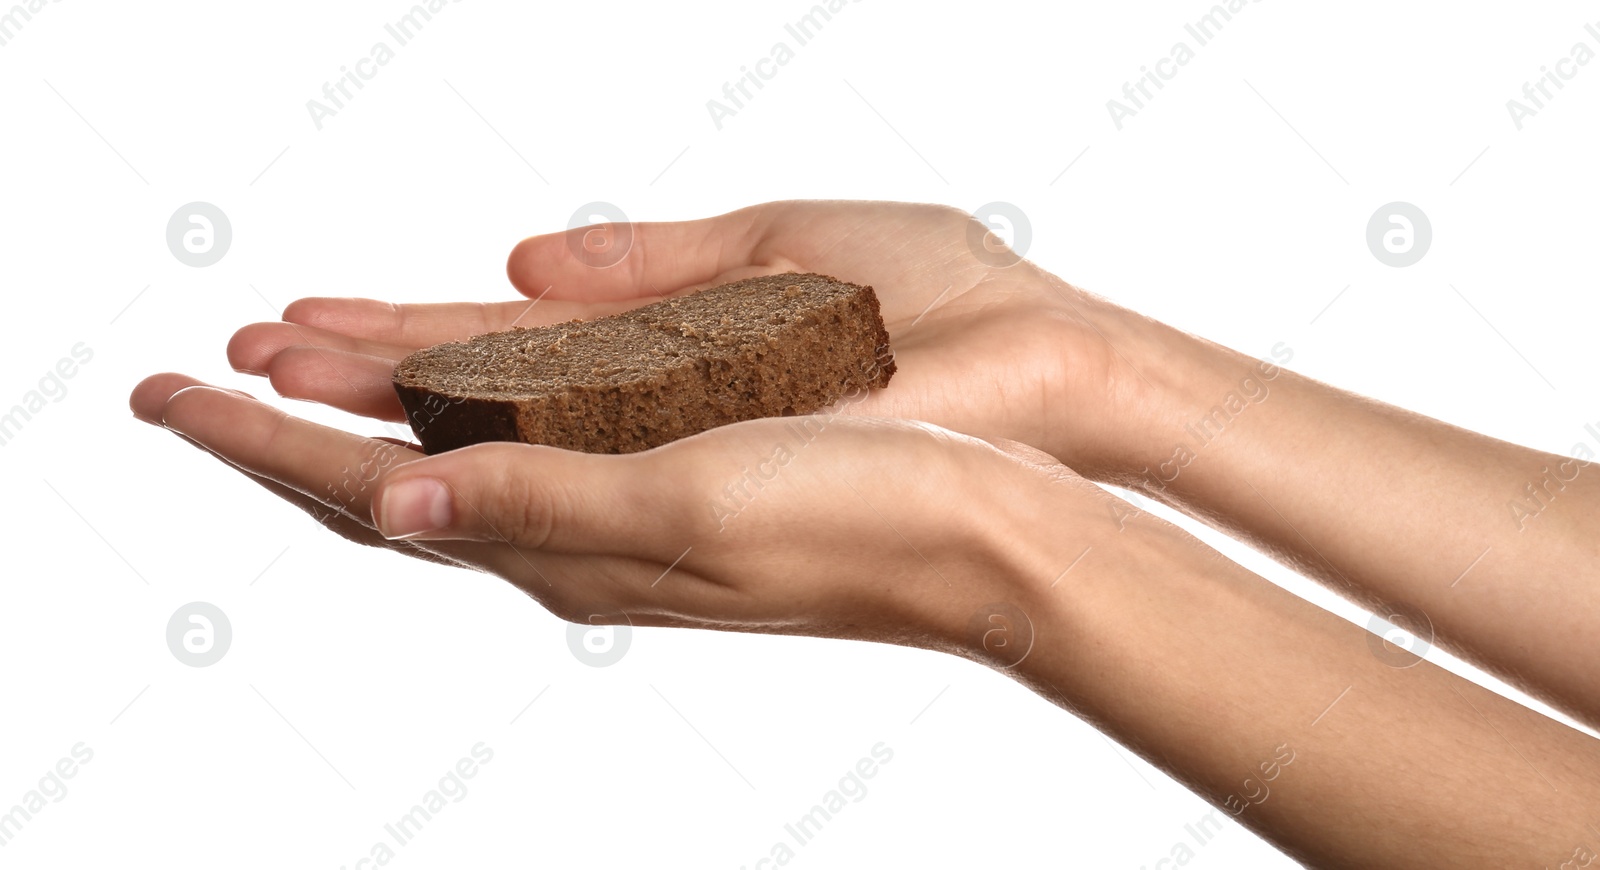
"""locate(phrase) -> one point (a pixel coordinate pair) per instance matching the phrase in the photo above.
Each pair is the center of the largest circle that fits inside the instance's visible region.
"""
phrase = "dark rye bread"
(762, 347)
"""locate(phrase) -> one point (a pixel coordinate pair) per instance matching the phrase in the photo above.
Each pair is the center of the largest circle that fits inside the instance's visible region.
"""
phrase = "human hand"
(872, 529)
(984, 342)
(905, 533)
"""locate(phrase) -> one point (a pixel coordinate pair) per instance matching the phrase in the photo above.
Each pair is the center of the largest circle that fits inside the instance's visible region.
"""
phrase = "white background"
(357, 678)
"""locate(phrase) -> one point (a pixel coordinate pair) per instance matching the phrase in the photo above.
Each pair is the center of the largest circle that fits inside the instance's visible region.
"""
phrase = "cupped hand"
(834, 526)
(985, 342)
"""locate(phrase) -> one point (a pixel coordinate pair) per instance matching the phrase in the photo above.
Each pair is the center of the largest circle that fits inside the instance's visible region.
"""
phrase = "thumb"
(528, 496)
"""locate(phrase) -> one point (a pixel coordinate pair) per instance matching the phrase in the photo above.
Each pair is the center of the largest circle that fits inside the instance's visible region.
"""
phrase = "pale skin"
(1202, 667)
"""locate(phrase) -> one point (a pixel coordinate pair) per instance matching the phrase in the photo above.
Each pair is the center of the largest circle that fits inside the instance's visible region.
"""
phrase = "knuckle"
(678, 488)
(521, 510)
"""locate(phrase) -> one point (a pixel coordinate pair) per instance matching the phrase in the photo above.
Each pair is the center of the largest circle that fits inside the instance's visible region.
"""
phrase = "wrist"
(1111, 371)
(1206, 392)
(1141, 405)
(1093, 583)
(1044, 545)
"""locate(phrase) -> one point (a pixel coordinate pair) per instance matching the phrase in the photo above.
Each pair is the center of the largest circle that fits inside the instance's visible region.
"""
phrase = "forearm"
(1497, 545)
(1278, 713)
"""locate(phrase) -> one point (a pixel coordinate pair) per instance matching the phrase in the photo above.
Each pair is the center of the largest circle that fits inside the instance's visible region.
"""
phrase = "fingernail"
(413, 507)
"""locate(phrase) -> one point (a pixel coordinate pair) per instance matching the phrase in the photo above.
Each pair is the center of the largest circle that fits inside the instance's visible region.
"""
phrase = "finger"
(252, 348)
(536, 497)
(643, 260)
(412, 326)
(443, 553)
(349, 528)
(337, 469)
(149, 396)
(348, 381)
(334, 520)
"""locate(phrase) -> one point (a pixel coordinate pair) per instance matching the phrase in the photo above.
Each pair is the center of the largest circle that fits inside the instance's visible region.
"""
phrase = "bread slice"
(762, 347)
